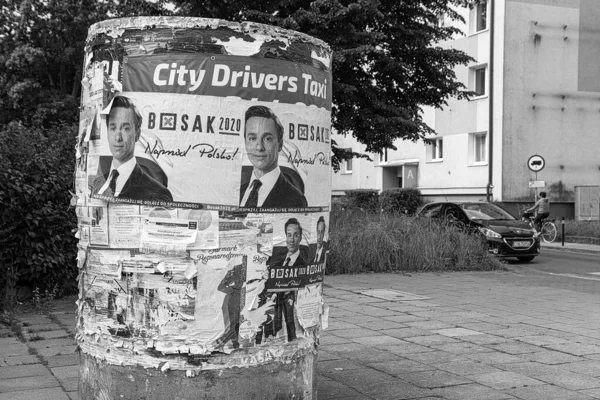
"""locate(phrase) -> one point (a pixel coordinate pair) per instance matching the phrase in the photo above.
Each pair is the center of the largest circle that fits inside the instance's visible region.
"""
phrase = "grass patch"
(32, 330)
(580, 231)
(372, 242)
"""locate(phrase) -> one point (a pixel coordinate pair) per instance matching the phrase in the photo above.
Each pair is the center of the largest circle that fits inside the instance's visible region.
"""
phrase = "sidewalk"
(46, 366)
(462, 336)
(578, 247)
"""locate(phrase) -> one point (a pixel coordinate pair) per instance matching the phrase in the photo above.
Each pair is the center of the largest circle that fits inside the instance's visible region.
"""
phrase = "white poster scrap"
(99, 228)
(308, 305)
(124, 228)
(106, 262)
(208, 228)
(167, 236)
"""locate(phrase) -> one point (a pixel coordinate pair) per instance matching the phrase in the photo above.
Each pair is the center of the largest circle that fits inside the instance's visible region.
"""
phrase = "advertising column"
(203, 193)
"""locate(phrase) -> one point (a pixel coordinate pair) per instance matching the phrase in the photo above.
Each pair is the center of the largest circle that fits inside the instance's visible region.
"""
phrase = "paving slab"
(46, 335)
(473, 391)
(55, 351)
(547, 392)
(62, 360)
(69, 371)
(28, 383)
(36, 394)
(570, 380)
(23, 371)
(504, 380)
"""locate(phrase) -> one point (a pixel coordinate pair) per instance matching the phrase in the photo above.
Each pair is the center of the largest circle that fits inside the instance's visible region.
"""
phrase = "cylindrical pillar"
(203, 194)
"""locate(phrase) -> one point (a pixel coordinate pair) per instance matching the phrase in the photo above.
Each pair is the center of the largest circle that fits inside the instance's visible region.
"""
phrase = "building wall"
(551, 100)
(364, 175)
(546, 101)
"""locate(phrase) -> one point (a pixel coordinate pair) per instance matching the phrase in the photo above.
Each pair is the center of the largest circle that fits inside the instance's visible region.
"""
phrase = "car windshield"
(485, 211)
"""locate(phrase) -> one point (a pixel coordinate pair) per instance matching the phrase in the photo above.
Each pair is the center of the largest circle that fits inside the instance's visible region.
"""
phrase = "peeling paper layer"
(181, 268)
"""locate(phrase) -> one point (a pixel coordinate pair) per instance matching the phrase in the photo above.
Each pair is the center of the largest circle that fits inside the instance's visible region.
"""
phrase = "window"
(481, 16)
(383, 156)
(440, 18)
(348, 163)
(438, 149)
(480, 81)
(435, 150)
(479, 147)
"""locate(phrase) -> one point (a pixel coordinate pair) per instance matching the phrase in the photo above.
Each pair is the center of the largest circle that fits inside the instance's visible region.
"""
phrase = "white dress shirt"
(268, 181)
(318, 254)
(292, 258)
(125, 171)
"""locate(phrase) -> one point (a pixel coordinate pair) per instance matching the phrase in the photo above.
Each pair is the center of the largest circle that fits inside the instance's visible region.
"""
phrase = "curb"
(595, 250)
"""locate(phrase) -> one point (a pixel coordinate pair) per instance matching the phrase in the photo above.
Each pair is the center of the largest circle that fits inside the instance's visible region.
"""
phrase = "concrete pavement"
(468, 335)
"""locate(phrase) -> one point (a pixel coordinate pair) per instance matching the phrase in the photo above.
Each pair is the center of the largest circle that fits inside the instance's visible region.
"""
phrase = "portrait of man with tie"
(126, 179)
(268, 186)
(289, 256)
(318, 250)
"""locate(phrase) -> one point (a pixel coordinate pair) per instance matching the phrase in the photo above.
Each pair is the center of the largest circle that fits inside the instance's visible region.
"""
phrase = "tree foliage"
(386, 67)
(386, 61)
(41, 55)
(35, 219)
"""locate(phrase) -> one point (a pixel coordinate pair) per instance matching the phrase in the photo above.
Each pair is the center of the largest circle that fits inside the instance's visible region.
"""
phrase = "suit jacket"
(283, 194)
(312, 251)
(280, 254)
(139, 186)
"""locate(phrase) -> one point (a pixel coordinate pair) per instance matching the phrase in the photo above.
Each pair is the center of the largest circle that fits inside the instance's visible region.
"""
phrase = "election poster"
(226, 116)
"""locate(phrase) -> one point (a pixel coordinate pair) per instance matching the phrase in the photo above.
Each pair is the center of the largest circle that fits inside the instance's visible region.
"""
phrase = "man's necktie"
(253, 198)
(112, 186)
(287, 262)
(317, 256)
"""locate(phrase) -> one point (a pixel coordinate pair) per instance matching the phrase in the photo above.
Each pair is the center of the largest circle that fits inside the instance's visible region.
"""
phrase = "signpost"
(536, 163)
(537, 184)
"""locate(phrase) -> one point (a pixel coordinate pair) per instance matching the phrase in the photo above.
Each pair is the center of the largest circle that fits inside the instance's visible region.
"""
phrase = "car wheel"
(526, 259)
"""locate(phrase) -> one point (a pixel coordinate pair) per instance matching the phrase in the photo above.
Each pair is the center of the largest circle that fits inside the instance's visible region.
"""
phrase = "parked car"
(506, 235)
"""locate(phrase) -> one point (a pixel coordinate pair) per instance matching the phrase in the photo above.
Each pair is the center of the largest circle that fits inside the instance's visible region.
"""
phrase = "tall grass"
(373, 242)
(580, 231)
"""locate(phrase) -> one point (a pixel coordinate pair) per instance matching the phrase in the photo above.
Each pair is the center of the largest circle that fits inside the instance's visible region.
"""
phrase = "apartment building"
(533, 125)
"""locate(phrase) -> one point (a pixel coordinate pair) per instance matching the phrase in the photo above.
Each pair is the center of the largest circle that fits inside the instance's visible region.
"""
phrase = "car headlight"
(489, 233)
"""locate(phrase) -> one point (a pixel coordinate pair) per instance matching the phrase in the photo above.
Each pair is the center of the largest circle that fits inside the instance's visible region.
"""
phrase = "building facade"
(533, 125)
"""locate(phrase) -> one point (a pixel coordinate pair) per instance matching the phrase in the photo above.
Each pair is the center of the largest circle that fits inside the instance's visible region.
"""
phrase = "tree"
(41, 55)
(386, 61)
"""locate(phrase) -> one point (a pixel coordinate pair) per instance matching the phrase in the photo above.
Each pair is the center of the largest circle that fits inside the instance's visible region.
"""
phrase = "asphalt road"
(569, 270)
(579, 265)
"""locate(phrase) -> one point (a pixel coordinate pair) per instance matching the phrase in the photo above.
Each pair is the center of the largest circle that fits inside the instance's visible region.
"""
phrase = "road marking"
(589, 278)
(389, 294)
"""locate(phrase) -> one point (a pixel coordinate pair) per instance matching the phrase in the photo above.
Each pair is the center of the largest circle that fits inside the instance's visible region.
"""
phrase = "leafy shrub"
(364, 199)
(35, 179)
(400, 200)
(373, 242)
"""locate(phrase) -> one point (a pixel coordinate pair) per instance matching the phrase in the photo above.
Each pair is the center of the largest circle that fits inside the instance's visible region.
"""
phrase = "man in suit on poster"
(268, 186)
(317, 251)
(126, 179)
(284, 301)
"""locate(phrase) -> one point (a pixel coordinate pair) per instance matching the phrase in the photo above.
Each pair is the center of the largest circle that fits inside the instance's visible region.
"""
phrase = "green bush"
(373, 242)
(36, 221)
(363, 199)
(400, 200)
